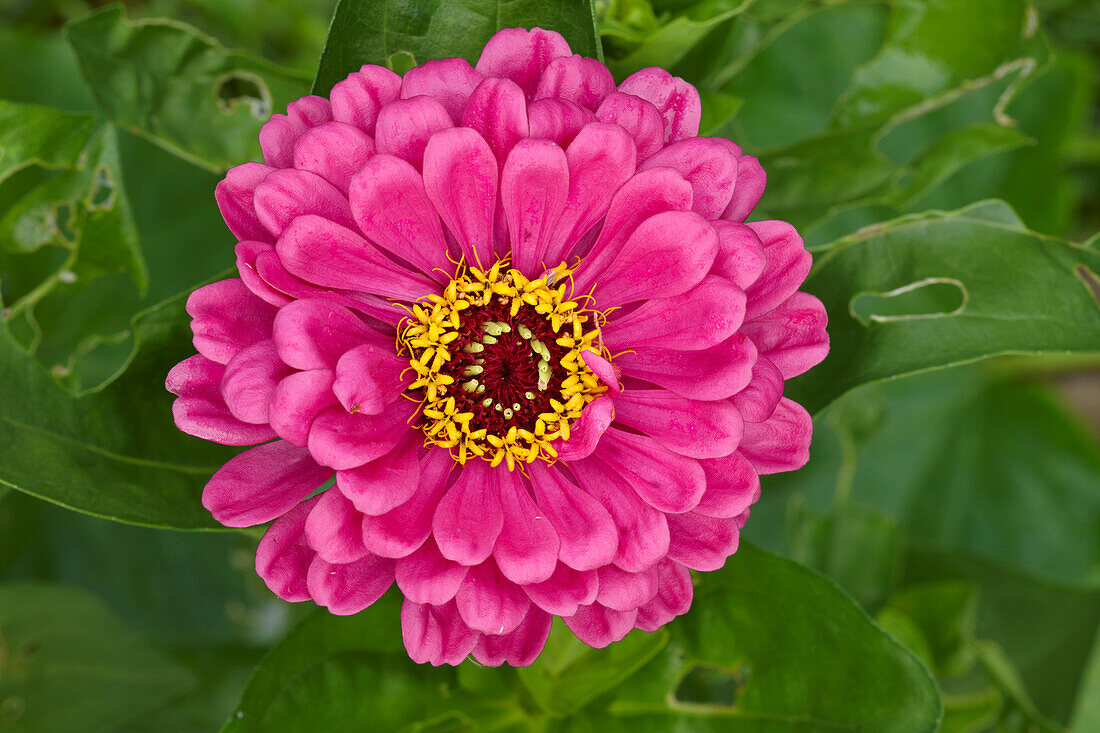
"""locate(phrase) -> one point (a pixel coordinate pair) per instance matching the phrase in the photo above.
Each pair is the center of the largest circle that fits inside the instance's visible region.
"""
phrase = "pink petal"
(368, 378)
(792, 336)
(598, 626)
(588, 535)
(348, 589)
(460, 178)
(557, 120)
(666, 255)
(564, 591)
(751, 180)
(497, 111)
(788, 263)
(278, 134)
(449, 81)
(740, 256)
(780, 443)
(674, 592)
(469, 519)
(688, 427)
(247, 254)
(283, 556)
(623, 591)
(521, 55)
(527, 549)
(399, 532)
(490, 603)
(518, 648)
(757, 401)
(250, 381)
(314, 334)
(585, 432)
(643, 531)
(533, 188)
(601, 158)
(392, 208)
(707, 165)
(701, 543)
(226, 318)
(732, 486)
(607, 372)
(342, 440)
(334, 151)
(404, 126)
(386, 483)
(427, 577)
(580, 80)
(234, 195)
(676, 100)
(711, 374)
(262, 483)
(435, 634)
(335, 529)
(357, 99)
(703, 317)
(297, 401)
(639, 118)
(668, 482)
(327, 254)
(287, 194)
(200, 409)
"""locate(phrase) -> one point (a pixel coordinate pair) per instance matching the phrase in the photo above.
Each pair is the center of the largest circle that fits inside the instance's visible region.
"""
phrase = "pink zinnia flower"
(515, 311)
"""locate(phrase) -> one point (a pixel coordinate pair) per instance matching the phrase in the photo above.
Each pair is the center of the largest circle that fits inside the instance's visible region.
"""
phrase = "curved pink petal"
(521, 55)
(526, 551)
(262, 483)
(226, 317)
(518, 648)
(426, 576)
(598, 626)
(639, 118)
(497, 111)
(780, 443)
(334, 529)
(460, 178)
(585, 432)
(676, 100)
(688, 427)
(201, 411)
(732, 486)
(334, 151)
(701, 543)
(583, 81)
(250, 380)
(792, 336)
(707, 165)
(740, 257)
(710, 374)
(343, 440)
(349, 588)
(283, 557)
(448, 81)
(247, 254)
(287, 194)
(564, 591)
(674, 593)
(607, 372)
(435, 634)
(787, 264)
(588, 537)
(297, 401)
(490, 603)
(533, 188)
(404, 126)
(667, 481)
(757, 401)
(235, 194)
(468, 520)
(278, 134)
(386, 483)
(314, 334)
(357, 99)
(368, 378)
(751, 181)
(399, 532)
(623, 591)
(557, 120)
(703, 317)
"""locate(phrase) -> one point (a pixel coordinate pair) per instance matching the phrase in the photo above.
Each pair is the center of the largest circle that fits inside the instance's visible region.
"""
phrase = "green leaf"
(391, 32)
(180, 88)
(1020, 292)
(69, 665)
(114, 453)
(945, 614)
(33, 135)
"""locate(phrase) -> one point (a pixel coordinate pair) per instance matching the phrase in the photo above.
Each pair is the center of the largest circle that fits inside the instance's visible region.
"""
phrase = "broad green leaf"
(33, 135)
(1020, 292)
(400, 33)
(1086, 713)
(945, 613)
(70, 665)
(180, 88)
(114, 453)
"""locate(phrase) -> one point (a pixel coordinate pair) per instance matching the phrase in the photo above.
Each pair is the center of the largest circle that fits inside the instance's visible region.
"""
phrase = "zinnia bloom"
(514, 311)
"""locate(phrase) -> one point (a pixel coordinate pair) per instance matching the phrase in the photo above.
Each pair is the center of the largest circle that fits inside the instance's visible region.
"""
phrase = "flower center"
(499, 364)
